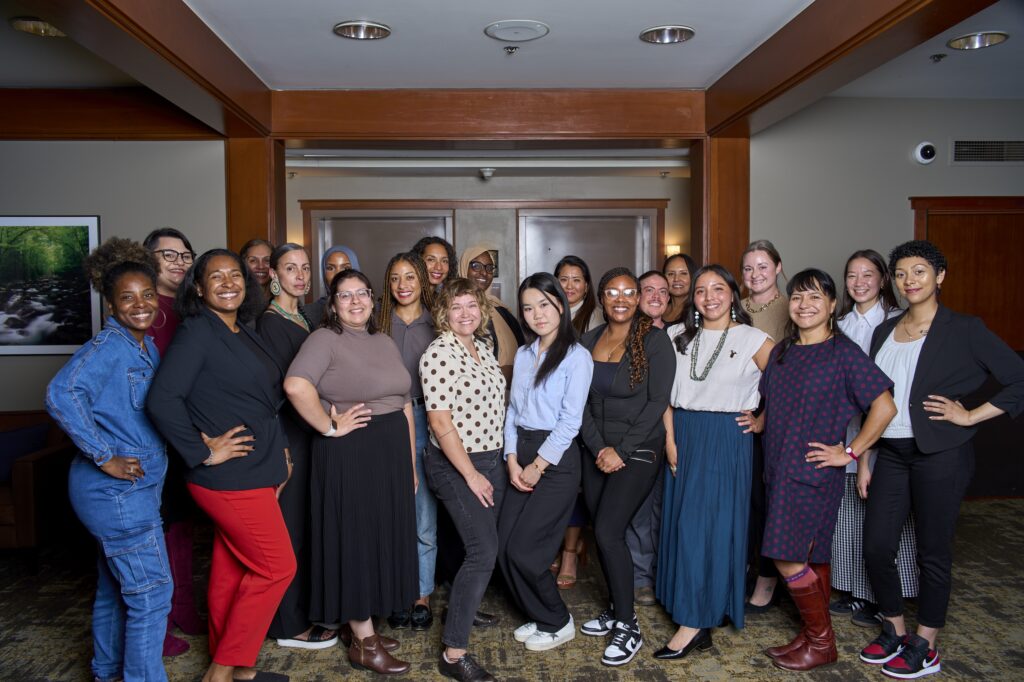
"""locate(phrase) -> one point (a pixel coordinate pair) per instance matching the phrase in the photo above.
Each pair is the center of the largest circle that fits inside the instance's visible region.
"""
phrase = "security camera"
(924, 153)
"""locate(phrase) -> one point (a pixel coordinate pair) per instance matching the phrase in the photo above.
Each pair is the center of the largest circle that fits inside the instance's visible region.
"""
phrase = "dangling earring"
(732, 312)
(696, 317)
(275, 286)
(306, 290)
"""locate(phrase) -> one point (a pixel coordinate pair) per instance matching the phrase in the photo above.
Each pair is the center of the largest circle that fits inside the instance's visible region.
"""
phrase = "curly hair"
(919, 248)
(453, 264)
(188, 302)
(460, 286)
(639, 327)
(113, 252)
(387, 301)
(330, 318)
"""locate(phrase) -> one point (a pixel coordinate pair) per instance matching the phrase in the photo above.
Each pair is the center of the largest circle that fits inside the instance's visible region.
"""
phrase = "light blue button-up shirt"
(556, 405)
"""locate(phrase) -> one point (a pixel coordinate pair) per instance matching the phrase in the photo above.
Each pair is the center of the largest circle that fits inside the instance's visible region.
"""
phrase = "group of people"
(703, 435)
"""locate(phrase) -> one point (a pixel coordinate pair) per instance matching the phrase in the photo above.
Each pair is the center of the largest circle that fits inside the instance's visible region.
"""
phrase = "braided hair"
(387, 301)
(639, 327)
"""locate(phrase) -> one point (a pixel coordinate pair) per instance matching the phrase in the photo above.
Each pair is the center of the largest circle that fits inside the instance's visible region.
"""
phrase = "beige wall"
(836, 177)
(133, 187)
(677, 217)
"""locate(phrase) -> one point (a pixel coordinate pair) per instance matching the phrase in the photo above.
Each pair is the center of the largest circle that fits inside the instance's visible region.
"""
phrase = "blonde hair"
(460, 286)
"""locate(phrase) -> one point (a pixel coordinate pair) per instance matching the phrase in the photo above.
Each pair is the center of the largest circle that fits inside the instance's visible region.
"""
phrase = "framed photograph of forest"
(46, 304)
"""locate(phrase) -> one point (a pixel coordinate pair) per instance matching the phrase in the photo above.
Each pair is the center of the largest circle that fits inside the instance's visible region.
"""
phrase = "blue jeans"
(133, 594)
(426, 508)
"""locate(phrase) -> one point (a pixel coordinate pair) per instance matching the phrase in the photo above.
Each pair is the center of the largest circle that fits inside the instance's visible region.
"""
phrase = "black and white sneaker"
(626, 641)
(599, 626)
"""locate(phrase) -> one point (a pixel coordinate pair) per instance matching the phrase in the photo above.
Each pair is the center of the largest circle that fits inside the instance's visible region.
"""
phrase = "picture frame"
(46, 304)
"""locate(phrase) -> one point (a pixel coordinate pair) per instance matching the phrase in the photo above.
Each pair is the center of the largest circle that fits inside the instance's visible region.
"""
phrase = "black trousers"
(932, 485)
(530, 531)
(613, 500)
(764, 566)
(292, 617)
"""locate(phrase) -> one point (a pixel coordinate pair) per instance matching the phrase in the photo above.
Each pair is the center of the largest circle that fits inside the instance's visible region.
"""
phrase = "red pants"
(252, 566)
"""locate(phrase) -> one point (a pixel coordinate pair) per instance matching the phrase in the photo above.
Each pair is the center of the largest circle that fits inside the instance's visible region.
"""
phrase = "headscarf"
(352, 258)
(507, 342)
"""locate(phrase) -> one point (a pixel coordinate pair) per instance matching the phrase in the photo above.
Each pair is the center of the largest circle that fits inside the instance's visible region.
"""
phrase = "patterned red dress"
(810, 396)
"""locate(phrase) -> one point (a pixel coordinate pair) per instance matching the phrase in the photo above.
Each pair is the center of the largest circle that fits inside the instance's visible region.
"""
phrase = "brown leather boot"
(369, 654)
(824, 573)
(345, 635)
(819, 647)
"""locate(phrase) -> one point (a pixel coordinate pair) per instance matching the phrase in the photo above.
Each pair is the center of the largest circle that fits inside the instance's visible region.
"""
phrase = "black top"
(209, 382)
(958, 354)
(604, 375)
(282, 338)
(627, 418)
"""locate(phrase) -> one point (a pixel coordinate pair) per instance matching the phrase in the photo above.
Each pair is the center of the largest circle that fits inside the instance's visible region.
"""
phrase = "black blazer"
(959, 352)
(630, 417)
(211, 381)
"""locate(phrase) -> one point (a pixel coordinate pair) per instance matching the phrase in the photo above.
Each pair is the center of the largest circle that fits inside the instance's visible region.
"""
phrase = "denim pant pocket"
(137, 561)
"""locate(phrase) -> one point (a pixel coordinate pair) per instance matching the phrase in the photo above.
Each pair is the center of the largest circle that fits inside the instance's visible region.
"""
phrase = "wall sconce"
(673, 250)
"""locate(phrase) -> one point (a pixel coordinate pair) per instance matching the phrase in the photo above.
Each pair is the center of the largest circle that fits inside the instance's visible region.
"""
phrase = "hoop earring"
(275, 286)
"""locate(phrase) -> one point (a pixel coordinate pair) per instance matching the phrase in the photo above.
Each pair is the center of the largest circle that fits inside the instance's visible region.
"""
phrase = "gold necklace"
(921, 330)
(611, 352)
(752, 311)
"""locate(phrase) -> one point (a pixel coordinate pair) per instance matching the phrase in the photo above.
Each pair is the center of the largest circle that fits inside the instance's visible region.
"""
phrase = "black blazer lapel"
(936, 337)
(250, 364)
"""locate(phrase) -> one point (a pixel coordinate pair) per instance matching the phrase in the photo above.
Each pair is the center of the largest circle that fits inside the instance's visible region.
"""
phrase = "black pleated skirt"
(363, 523)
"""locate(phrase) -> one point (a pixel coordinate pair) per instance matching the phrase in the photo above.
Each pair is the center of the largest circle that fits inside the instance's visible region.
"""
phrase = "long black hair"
(690, 321)
(582, 317)
(811, 279)
(453, 264)
(548, 286)
(188, 302)
(886, 294)
(639, 326)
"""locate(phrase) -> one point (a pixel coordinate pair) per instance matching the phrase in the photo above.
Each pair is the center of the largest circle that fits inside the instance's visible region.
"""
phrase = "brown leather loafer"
(369, 654)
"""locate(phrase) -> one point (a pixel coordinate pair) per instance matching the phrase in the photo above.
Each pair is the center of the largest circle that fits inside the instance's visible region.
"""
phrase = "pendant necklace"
(714, 356)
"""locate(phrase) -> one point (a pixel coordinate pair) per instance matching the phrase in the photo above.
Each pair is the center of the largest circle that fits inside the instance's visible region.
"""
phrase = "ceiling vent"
(988, 152)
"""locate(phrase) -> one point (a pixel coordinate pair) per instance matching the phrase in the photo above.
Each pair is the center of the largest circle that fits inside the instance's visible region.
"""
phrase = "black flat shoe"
(749, 608)
(701, 641)
(480, 619)
(399, 620)
(421, 618)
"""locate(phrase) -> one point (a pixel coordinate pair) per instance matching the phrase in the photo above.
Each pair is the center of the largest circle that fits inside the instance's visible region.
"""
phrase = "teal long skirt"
(703, 548)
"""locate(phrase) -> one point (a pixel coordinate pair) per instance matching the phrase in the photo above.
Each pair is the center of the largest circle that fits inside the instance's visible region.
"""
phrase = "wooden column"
(720, 200)
(255, 190)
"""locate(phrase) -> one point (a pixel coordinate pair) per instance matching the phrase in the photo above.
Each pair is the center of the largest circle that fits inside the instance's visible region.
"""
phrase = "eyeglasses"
(477, 266)
(170, 255)
(615, 293)
(347, 296)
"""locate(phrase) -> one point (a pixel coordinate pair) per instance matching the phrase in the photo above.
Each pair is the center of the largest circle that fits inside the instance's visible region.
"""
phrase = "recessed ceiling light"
(362, 30)
(517, 30)
(37, 27)
(666, 35)
(976, 41)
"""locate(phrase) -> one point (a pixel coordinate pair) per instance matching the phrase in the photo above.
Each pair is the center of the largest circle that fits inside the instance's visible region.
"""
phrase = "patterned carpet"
(44, 626)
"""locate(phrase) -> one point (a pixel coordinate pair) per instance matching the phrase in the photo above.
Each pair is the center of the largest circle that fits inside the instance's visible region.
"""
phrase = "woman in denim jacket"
(98, 398)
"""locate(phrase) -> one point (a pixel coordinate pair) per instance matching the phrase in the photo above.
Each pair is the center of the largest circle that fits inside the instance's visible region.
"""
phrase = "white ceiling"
(441, 43)
(993, 73)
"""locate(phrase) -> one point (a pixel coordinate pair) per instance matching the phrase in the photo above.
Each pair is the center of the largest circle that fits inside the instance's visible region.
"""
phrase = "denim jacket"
(99, 396)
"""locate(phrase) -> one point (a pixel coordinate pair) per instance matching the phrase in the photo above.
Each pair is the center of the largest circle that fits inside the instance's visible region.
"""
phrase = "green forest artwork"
(44, 294)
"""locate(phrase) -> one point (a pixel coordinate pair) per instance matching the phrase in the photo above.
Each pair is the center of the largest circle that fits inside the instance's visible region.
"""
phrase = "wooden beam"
(829, 44)
(97, 114)
(487, 114)
(168, 49)
(255, 190)
(720, 200)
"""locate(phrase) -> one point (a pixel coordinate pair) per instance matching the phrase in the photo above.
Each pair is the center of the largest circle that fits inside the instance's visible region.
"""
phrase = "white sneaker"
(626, 641)
(524, 631)
(601, 625)
(542, 641)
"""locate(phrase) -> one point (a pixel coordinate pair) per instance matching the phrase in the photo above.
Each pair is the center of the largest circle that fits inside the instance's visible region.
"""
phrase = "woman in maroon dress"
(815, 381)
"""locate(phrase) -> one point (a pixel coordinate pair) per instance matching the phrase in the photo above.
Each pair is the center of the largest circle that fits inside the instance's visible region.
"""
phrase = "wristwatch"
(331, 431)
(853, 455)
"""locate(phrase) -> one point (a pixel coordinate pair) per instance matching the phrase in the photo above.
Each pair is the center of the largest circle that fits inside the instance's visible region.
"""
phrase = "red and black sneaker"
(885, 647)
(916, 660)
